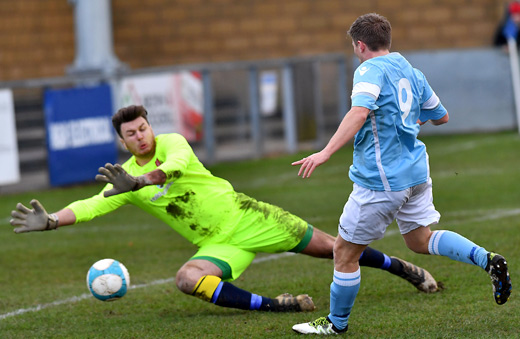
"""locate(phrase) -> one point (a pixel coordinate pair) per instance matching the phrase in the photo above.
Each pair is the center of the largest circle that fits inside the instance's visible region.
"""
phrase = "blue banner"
(80, 136)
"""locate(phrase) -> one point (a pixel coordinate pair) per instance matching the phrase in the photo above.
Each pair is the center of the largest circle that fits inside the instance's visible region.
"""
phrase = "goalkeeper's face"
(137, 136)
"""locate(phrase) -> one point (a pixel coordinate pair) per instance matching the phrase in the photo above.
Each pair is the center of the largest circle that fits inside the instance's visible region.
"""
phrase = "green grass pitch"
(476, 188)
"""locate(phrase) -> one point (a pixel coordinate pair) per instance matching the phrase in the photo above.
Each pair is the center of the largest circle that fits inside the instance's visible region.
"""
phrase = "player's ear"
(362, 46)
(123, 143)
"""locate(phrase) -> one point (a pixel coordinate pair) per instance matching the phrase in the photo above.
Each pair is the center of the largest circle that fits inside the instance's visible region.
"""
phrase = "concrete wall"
(474, 85)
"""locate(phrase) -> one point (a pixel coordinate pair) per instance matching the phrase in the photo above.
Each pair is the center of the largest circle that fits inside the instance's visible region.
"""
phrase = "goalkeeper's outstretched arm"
(123, 182)
(37, 219)
(26, 219)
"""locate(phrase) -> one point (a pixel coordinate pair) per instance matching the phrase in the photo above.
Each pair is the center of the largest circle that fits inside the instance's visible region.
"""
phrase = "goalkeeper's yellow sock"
(211, 288)
(206, 287)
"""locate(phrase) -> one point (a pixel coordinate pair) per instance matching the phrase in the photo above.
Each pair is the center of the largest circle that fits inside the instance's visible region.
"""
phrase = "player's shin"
(343, 292)
(376, 259)
(206, 287)
(456, 247)
(212, 289)
(417, 276)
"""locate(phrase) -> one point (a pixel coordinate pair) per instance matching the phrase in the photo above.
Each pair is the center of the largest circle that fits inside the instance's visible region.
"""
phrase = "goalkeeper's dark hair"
(374, 30)
(127, 114)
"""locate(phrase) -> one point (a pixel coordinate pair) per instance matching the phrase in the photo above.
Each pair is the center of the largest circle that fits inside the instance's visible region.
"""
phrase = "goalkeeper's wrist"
(140, 182)
(52, 222)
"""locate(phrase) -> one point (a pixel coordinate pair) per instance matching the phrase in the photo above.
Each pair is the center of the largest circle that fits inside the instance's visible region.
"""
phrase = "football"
(108, 280)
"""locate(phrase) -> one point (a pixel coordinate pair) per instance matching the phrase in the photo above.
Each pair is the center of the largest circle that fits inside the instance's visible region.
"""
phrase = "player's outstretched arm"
(309, 164)
(350, 125)
(37, 218)
(123, 182)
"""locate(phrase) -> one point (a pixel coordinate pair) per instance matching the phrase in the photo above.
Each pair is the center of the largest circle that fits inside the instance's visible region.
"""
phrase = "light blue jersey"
(387, 154)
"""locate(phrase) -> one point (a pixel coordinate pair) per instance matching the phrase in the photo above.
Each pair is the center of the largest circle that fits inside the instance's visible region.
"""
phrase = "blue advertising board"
(80, 136)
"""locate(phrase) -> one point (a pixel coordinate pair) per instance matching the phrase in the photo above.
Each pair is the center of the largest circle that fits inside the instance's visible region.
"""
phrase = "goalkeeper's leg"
(210, 287)
(417, 276)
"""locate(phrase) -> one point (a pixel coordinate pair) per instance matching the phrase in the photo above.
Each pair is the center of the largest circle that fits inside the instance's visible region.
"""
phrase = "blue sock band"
(373, 258)
(343, 292)
(256, 302)
(456, 247)
(387, 262)
(217, 292)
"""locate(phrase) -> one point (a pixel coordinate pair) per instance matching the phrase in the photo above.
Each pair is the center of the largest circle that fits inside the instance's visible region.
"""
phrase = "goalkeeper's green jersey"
(198, 205)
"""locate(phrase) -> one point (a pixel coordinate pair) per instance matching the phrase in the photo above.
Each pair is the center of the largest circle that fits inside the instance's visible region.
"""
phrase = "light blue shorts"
(368, 213)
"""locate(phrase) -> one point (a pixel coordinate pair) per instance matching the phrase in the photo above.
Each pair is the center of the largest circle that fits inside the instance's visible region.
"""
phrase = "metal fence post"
(342, 89)
(254, 110)
(289, 115)
(209, 135)
(318, 103)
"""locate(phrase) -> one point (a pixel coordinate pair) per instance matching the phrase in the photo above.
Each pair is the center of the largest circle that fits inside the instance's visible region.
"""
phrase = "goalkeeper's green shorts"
(262, 228)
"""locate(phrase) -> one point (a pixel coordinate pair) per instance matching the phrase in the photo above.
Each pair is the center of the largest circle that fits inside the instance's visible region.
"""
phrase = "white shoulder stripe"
(431, 103)
(366, 88)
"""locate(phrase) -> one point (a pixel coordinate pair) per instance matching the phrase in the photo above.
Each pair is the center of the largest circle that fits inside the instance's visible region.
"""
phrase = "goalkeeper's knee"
(206, 286)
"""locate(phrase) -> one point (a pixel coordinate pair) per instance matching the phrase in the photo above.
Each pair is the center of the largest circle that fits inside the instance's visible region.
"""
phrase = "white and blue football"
(108, 280)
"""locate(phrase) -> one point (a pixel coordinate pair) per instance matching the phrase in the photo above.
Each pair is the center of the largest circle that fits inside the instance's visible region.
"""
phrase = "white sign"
(10, 169)
(268, 92)
(80, 133)
(173, 100)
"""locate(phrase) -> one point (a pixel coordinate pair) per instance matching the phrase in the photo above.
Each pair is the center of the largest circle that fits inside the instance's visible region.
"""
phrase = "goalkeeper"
(167, 180)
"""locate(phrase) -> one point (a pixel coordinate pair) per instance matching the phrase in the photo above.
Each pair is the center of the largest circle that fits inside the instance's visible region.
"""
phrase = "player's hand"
(119, 178)
(309, 164)
(35, 219)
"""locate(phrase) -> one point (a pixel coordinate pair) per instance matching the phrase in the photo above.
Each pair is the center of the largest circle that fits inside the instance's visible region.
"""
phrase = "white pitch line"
(272, 257)
(88, 295)
(492, 215)
(44, 306)
(498, 214)
(5, 220)
(472, 144)
(155, 282)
